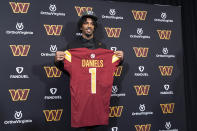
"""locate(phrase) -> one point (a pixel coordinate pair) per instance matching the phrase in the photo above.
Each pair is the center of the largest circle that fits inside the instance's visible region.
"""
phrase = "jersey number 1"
(92, 71)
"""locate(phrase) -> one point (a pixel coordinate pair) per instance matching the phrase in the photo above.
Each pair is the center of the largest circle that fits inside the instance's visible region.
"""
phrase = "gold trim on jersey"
(67, 55)
(114, 58)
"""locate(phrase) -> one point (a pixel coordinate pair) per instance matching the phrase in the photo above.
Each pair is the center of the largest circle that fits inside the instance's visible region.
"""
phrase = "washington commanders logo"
(143, 127)
(19, 7)
(139, 15)
(142, 89)
(80, 10)
(19, 94)
(52, 71)
(53, 29)
(53, 115)
(115, 111)
(140, 51)
(167, 108)
(20, 50)
(118, 71)
(164, 34)
(113, 32)
(166, 70)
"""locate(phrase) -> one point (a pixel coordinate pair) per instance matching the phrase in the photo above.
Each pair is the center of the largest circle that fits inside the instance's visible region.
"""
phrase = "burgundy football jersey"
(91, 79)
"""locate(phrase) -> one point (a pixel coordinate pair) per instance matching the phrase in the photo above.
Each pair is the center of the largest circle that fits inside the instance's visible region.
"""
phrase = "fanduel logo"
(167, 91)
(19, 28)
(52, 8)
(53, 91)
(114, 129)
(19, 70)
(142, 109)
(141, 69)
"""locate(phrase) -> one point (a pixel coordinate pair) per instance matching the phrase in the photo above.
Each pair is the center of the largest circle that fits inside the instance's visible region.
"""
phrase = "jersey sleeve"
(67, 60)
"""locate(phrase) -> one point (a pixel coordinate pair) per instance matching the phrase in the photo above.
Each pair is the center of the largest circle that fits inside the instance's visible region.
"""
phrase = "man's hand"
(59, 56)
(119, 54)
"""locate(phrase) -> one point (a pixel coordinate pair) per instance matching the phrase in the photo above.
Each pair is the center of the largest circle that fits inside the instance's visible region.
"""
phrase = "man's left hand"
(119, 54)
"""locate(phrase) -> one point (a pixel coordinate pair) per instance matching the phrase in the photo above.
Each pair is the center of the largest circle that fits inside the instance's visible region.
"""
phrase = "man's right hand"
(59, 56)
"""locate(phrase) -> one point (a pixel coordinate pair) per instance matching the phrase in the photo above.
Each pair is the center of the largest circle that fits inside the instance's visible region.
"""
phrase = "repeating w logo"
(52, 71)
(53, 29)
(167, 108)
(141, 52)
(164, 34)
(142, 89)
(115, 111)
(80, 10)
(19, 94)
(53, 115)
(139, 15)
(20, 50)
(19, 7)
(143, 127)
(113, 32)
(166, 70)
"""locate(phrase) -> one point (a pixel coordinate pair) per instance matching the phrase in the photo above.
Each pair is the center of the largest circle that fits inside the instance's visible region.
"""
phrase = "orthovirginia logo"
(115, 111)
(20, 50)
(80, 10)
(167, 108)
(112, 15)
(115, 90)
(18, 119)
(19, 70)
(140, 35)
(164, 34)
(19, 7)
(142, 89)
(52, 71)
(168, 127)
(142, 109)
(165, 54)
(163, 18)
(53, 49)
(53, 29)
(113, 32)
(166, 70)
(19, 28)
(52, 9)
(167, 90)
(139, 15)
(53, 115)
(141, 51)
(19, 94)
(143, 127)
(53, 91)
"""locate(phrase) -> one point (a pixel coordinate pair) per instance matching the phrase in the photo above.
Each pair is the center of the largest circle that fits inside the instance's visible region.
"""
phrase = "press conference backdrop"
(148, 92)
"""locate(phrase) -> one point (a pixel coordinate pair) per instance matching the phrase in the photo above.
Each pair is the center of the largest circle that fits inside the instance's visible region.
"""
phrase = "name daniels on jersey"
(92, 63)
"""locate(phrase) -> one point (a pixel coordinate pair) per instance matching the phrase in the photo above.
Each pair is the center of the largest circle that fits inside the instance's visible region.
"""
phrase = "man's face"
(88, 27)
